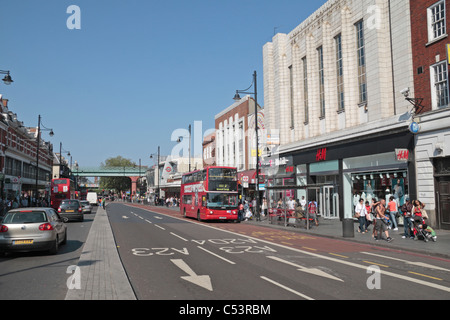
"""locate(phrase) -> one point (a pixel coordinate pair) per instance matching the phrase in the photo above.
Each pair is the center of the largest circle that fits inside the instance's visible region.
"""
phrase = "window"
(436, 21)
(291, 88)
(305, 89)
(439, 85)
(340, 73)
(362, 81)
(321, 82)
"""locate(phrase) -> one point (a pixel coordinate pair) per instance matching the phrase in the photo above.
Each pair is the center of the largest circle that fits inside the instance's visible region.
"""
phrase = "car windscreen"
(25, 217)
(70, 204)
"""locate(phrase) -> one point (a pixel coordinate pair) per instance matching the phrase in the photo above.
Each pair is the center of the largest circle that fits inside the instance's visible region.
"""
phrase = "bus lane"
(342, 255)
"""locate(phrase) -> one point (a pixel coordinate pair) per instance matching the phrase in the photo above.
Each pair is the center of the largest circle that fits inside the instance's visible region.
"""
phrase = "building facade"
(332, 89)
(236, 141)
(429, 20)
(18, 154)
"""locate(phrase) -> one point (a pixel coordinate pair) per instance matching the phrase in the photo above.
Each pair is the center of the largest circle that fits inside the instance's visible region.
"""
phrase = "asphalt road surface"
(40, 276)
(172, 258)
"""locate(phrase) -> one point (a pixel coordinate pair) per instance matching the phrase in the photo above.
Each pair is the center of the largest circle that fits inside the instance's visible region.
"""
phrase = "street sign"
(414, 127)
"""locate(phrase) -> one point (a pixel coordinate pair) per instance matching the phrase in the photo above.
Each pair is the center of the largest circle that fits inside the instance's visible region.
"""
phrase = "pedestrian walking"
(393, 211)
(406, 209)
(360, 213)
(382, 221)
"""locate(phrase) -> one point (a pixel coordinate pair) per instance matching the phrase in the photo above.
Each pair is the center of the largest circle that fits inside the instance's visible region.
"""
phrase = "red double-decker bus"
(210, 194)
(61, 189)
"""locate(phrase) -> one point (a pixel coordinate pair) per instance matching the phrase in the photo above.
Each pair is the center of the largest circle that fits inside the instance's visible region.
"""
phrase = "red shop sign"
(321, 154)
(402, 154)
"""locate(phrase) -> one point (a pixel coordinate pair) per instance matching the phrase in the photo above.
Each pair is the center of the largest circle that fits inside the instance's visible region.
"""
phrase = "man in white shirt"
(360, 212)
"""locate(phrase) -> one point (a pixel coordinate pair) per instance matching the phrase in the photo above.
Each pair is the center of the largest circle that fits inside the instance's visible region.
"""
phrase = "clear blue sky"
(136, 70)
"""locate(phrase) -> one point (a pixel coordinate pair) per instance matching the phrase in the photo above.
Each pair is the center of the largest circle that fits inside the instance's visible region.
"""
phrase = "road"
(167, 257)
(173, 258)
(39, 276)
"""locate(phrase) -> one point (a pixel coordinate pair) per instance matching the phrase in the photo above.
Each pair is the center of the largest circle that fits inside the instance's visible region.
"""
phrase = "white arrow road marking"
(314, 271)
(124, 217)
(419, 264)
(202, 281)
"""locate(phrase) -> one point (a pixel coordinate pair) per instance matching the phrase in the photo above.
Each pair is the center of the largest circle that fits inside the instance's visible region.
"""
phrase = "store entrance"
(443, 195)
(330, 202)
(327, 198)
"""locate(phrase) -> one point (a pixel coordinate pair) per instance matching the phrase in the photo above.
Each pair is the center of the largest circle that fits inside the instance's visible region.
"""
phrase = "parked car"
(87, 208)
(32, 229)
(71, 210)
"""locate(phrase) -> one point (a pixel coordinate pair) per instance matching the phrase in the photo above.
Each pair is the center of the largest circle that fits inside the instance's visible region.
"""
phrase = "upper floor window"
(362, 80)
(436, 21)
(439, 85)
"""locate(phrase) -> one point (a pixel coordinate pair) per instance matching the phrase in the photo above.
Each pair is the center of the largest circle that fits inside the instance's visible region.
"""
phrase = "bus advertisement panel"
(61, 189)
(210, 194)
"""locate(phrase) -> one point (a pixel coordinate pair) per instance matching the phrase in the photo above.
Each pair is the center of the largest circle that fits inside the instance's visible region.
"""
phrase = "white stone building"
(332, 87)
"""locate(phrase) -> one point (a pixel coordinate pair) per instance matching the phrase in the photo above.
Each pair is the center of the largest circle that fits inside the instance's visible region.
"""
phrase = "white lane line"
(148, 221)
(348, 263)
(286, 288)
(174, 234)
(216, 255)
(419, 264)
(160, 227)
(156, 217)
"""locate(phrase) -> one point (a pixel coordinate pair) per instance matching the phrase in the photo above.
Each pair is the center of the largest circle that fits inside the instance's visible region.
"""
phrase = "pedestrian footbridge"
(109, 172)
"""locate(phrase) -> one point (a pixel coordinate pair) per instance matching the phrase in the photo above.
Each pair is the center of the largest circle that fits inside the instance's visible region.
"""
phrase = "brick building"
(236, 141)
(429, 28)
(18, 155)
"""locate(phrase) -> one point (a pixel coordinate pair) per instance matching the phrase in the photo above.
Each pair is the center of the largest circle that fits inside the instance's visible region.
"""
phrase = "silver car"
(32, 229)
(87, 208)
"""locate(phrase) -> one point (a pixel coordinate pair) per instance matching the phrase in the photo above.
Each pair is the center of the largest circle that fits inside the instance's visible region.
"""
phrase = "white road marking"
(160, 227)
(286, 288)
(216, 255)
(174, 234)
(419, 264)
(202, 281)
(314, 271)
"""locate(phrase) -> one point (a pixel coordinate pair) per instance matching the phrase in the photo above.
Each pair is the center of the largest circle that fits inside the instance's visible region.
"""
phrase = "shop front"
(334, 176)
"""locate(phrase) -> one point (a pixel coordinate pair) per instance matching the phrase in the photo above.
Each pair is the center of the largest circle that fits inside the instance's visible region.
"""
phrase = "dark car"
(71, 210)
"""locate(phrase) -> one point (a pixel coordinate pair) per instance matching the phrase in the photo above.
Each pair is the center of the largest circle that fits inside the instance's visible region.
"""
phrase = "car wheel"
(65, 238)
(55, 246)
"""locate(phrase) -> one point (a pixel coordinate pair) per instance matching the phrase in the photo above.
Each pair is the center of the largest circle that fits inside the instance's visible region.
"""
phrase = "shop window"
(380, 185)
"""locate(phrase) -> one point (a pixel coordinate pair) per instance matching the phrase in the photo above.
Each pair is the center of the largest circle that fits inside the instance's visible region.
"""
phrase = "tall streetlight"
(180, 139)
(61, 150)
(7, 79)
(237, 98)
(37, 152)
(157, 167)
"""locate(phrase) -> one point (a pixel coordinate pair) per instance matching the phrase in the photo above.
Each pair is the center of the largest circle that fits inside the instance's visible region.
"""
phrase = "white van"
(92, 198)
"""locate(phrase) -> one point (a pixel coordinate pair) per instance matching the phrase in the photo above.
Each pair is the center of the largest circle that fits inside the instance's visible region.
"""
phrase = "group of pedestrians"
(383, 216)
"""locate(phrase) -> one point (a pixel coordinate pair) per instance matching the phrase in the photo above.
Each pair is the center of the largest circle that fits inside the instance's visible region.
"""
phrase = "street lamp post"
(60, 158)
(7, 79)
(37, 152)
(237, 98)
(157, 168)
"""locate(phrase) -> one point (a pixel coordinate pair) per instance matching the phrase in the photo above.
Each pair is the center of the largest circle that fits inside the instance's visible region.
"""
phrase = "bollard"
(348, 229)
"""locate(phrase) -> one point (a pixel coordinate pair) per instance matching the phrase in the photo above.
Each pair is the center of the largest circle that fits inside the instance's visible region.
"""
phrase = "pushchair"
(422, 231)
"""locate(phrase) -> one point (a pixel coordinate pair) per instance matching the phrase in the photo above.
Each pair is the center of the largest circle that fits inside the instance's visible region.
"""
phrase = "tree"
(119, 184)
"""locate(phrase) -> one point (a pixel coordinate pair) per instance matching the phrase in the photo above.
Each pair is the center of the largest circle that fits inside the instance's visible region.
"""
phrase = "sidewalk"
(333, 228)
(100, 268)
